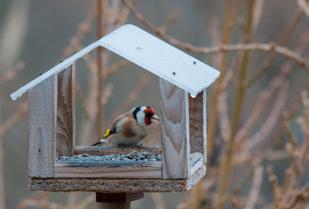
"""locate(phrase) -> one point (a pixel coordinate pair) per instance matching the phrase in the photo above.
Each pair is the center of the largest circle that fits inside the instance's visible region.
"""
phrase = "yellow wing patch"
(107, 133)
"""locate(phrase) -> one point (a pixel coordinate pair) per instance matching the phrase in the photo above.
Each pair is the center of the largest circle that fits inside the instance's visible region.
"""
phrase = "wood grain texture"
(149, 170)
(175, 131)
(42, 128)
(197, 113)
(108, 150)
(66, 112)
(116, 185)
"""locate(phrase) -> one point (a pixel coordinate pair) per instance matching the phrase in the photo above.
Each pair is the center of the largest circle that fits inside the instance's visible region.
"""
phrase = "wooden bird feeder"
(182, 82)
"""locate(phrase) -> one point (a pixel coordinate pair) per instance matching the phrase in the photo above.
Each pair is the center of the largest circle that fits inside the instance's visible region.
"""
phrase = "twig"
(185, 203)
(256, 186)
(272, 119)
(276, 189)
(213, 117)
(222, 105)
(299, 196)
(304, 6)
(143, 81)
(271, 56)
(224, 120)
(106, 94)
(227, 158)
(84, 28)
(170, 21)
(10, 122)
(262, 100)
(158, 200)
(236, 202)
(116, 67)
(11, 74)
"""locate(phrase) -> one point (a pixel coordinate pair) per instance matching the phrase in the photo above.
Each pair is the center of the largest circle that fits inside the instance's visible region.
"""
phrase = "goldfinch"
(130, 128)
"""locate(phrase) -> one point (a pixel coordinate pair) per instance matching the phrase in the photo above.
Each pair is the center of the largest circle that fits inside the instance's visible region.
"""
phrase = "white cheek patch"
(140, 116)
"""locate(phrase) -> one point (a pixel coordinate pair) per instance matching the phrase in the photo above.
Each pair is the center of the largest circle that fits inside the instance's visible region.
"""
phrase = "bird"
(130, 128)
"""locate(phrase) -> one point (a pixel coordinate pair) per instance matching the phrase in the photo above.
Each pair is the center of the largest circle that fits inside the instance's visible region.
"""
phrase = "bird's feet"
(121, 146)
(139, 146)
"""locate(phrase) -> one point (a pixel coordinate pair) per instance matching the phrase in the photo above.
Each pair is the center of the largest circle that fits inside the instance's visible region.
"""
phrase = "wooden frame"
(52, 134)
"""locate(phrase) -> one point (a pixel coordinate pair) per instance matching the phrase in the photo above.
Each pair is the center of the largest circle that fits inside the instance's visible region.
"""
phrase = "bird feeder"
(182, 83)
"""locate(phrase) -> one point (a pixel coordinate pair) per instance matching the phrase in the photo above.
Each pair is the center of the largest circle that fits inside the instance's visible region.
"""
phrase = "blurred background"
(258, 110)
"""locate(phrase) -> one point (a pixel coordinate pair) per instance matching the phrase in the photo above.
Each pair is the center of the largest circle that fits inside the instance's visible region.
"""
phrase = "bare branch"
(268, 47)
(304, 6)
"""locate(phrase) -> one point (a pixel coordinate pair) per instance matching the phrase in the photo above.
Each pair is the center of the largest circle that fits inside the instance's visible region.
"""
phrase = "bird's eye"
(149, 114)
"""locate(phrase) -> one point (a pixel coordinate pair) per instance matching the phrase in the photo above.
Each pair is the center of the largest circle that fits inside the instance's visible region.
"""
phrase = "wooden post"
(66, 112)
(198, 127)
(42, 128)
(117, 200)
(175, 132)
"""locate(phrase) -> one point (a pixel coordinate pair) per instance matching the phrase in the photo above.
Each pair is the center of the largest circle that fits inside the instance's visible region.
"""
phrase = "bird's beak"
(155, 117)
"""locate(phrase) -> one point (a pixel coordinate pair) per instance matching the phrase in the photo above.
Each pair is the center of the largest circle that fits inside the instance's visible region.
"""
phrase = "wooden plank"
(175, 131)
(197, 116)
(116, 185)
(150, 170)
(42, 128)
(66, 112)
(108, 150)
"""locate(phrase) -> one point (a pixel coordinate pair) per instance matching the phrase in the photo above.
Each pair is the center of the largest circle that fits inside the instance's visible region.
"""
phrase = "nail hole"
(194, 62)
(174, 73)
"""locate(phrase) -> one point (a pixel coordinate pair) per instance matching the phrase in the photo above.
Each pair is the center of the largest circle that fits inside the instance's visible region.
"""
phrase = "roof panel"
(160, 58)
(150, 53)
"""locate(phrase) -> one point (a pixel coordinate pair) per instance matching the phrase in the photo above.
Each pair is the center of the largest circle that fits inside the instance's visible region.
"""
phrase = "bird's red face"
(150, 115)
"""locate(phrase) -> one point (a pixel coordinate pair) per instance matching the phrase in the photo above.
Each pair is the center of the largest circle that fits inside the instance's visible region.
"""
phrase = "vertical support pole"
(66, 112)
(42, 128)
(117, 200)
(175, 131)
(198, 126)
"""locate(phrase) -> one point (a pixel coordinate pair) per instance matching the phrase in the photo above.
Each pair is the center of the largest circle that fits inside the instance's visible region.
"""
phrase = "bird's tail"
(101, 142)
(104, 139)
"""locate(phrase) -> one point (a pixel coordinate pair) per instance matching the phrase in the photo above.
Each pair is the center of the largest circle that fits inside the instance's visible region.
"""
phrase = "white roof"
(148, 52)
